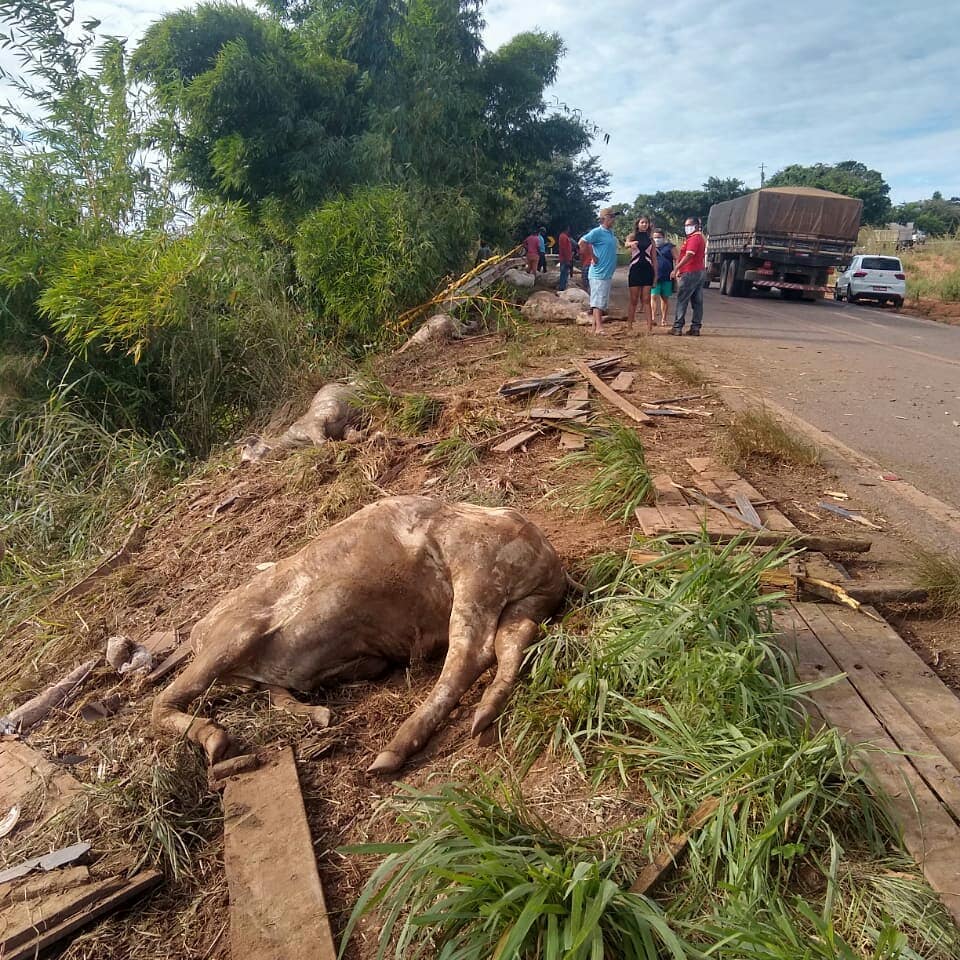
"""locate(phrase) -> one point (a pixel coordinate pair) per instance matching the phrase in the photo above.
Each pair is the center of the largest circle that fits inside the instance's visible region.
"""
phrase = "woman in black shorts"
(643, 271)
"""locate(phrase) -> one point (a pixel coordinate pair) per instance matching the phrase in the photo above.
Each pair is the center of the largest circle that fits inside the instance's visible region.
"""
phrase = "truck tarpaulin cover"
(798, 211)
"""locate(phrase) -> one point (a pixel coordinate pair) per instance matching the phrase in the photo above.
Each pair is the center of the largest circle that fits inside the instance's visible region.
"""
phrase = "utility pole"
(763, 176)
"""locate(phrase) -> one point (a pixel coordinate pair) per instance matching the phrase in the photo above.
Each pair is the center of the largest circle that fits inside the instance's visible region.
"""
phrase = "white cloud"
(690, 89)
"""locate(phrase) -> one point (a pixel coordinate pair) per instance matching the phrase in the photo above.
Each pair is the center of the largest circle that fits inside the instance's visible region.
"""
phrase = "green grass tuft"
(621, 482)
(939, 574)
(757, 434)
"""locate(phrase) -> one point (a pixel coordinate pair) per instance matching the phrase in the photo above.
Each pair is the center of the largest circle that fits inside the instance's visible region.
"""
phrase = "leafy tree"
(936, 216)
(669, 208)
(849, 177)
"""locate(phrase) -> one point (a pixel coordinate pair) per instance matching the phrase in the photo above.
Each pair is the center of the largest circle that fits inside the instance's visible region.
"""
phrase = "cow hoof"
(387, 762)
(319, 717)
(217, 745)
(482, 720)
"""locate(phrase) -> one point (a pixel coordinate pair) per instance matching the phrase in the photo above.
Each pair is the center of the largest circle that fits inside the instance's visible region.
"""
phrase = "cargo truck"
(784, 237)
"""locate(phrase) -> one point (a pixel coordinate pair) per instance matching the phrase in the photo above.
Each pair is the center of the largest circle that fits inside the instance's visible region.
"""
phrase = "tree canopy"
(669, 208)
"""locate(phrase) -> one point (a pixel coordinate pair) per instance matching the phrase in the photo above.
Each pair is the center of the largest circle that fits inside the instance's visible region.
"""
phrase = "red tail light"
(900, 276)
(859, 273)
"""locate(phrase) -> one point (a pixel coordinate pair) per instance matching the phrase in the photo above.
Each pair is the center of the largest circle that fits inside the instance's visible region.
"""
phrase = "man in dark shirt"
(565, 250)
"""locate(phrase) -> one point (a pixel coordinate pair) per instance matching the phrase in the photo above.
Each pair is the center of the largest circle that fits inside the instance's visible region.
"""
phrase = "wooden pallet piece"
(921, 692)
(929, 833)
(622, 381)
(277, 907)
(572, 441)
(665, 492)
(578, 395)
(31, 925)
(611, 396)
(938, 772)
(517, 440)
(24, 772)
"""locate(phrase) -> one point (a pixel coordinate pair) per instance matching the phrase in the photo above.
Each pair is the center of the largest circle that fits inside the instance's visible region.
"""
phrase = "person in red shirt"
(531, 248)
(565, 251)
(691, 273)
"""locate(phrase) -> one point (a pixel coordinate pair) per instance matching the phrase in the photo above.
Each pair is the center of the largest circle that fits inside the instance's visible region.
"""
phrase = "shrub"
(368, 256)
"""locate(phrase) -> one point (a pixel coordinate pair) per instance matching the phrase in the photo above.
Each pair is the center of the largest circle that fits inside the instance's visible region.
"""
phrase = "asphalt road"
(885, 384)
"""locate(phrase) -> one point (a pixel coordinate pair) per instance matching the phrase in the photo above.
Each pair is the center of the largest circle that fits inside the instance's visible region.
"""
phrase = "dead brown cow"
(402, 578)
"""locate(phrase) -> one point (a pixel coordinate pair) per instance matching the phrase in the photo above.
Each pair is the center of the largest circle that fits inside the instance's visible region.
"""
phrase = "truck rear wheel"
(723, 278)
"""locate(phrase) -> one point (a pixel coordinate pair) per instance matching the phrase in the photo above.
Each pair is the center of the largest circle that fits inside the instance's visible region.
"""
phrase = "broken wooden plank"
(938, 772)
(726, 511)
(885, 591)
(623, 381)
(49, 861)
(612, 396)
(665, 491)
(848, 514)
(25, 772)
(652, 525)
(580, 395)
(747, 510)
(701, 464)
(528, 385)
(554, 413)
(57, 695)
(834, 593)
(649, 875)
(929, 833)
(277, 907)
(36, 925)
(664, 412)
(686, 396)
(572, 441)
(658, 376)
(30, 888)
(182, 653)
(517, 440)
(923, 694)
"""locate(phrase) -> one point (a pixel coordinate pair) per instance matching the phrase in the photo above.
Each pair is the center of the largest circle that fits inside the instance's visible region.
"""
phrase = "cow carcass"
(404, 578)
(333, 413)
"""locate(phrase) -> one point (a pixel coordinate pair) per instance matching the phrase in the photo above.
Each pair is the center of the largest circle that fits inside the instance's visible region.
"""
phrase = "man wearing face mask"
(690, 273)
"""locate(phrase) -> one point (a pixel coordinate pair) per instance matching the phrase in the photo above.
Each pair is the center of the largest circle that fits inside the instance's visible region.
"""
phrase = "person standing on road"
(691, 272)
(663, 288)
(601, 242)
(531, 249)
(565, 253)
(542, 250)
(643, 272)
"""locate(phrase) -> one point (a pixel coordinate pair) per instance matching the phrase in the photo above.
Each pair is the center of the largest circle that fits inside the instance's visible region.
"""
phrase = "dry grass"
(939, 574)
(758, 435)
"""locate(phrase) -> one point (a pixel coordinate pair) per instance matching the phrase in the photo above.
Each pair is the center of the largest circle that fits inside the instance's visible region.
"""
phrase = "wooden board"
(572, 441)
(31, 925)
(665, 492)
(277, 907)
(623, 381)
(929, 833)
(921, 692)
(24, 772)
(517, 440)
(578, 395)
(554, 413)
(652, 524)
(611, 395)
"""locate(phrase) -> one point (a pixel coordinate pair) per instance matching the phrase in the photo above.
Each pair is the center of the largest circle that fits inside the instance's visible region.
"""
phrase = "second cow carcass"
(404, 578)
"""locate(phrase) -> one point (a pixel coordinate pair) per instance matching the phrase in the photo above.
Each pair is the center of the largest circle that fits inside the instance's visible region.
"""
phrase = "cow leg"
(283, 699)
(473, 626)
(518, 628)
(170, 705)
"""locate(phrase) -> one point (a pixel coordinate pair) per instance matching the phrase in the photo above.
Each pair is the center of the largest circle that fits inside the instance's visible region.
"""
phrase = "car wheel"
(837, 295)
(851, 297)
(898, 302)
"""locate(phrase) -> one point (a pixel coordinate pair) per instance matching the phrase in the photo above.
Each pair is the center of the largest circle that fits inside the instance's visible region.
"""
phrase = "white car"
(872, 277)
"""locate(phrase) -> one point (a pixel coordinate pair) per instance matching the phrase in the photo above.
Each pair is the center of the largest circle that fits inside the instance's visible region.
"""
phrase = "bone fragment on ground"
(440, 327)
(333, 411)
(404, 578)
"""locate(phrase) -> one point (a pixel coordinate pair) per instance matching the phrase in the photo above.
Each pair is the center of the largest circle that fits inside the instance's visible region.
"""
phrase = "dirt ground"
(218, 526)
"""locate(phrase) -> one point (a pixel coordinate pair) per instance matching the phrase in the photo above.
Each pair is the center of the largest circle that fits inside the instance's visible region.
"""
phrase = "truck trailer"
(784, 237)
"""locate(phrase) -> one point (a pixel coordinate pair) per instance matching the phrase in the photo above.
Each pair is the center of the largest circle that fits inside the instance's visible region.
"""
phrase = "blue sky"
(688, 89)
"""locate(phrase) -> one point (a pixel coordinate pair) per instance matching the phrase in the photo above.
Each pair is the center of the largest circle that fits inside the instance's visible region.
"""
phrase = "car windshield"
(881, 263)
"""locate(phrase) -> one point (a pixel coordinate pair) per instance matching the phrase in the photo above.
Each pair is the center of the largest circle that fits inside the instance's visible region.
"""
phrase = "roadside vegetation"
(757, 434)
(939, 575)
(666, 691)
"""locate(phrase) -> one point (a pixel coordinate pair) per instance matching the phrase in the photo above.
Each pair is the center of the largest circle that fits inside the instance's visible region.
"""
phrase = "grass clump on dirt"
(667, 681)
(939, 575)
(480, 876)
(408, 413)
(621, 482)
(757, 434)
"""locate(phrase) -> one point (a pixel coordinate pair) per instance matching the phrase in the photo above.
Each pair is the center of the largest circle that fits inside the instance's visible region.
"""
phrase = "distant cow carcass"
(403, 578)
